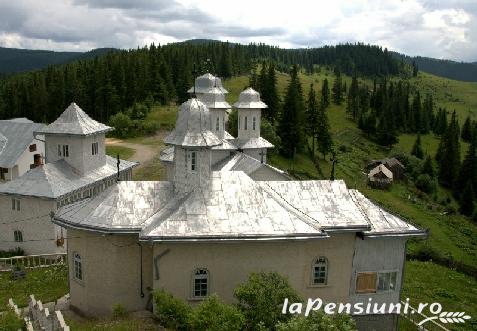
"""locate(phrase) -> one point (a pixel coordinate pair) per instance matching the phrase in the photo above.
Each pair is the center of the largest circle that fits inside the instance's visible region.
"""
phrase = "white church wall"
(27, 158)
(246, 131)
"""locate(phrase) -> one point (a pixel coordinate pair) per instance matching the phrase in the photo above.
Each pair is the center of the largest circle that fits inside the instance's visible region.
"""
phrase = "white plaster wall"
(249, 133)
(111, 272)
(80, 153)
(230, 264)
(378, 254)
(184, 179)
(27, 157)
(33, 219)
(214, 115)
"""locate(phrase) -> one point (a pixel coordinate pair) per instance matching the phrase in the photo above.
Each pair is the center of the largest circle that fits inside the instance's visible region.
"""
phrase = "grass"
(124, 324)
(47, 284)
(124, 153)
(153, 170)
(428, 282)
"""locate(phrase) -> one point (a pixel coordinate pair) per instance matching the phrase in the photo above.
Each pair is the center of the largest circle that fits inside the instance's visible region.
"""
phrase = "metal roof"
(228, 136)
(252, 143)
(378, 169)
(74, 121)
(167, 155)
(123, 207)
(192, 126)
(214, 99)
(242, 162)
(15, 136)
(249, 98)
(204, 83)
(53, 180)
(226, 145)
(382, 222)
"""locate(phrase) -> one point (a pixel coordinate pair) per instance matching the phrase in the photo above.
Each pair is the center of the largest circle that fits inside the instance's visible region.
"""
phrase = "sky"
(445, 29)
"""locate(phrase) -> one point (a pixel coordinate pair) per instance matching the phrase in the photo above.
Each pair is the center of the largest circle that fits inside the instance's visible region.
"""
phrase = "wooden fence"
(32, 261)
(417, 317)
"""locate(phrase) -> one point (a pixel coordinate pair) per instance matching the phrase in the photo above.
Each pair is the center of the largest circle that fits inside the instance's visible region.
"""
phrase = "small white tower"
(192, 141)
(76, 138)
(249, 119)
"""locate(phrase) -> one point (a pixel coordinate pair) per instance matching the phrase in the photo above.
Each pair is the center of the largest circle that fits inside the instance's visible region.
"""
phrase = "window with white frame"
(192, 160)
(386, 281)
(320, 271)
(201, 283)
(15, 204)
(217, 124)
(254, 123)
(63, 150)
(94, 148)
(77, 266)
(18, 236)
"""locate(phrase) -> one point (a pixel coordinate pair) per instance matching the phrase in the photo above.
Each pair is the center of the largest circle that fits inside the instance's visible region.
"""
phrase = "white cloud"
(442, 29)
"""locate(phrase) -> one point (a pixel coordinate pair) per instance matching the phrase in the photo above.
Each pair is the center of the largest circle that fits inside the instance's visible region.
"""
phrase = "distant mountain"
(13, 60)
(464, 71)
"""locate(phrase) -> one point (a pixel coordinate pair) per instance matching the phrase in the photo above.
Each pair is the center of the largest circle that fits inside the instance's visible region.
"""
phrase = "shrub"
(12, 252)
(268, 132)
(122, 124)
(171, 312)
(261, 298)
(318, 321)
(425, 183)
(214, 315)
(9, 321)
(119, 311)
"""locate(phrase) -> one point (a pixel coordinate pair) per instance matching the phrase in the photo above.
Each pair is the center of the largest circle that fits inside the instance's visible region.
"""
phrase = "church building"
(211, 224)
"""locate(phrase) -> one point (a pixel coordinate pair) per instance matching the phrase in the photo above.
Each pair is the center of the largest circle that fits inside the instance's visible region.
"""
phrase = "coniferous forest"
(112, 83)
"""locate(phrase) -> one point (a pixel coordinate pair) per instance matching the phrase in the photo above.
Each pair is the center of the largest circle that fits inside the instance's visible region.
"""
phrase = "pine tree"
(325, 94)
(323, 135)
(353, 98)
(417, 148)
(416, 109)
(385, 134)
(273, 100)
(466, 133)
(468, 169)
(337, 88)
(311, 116)
(467, 200)
(449, 154)
(290, 127)
(428, 168)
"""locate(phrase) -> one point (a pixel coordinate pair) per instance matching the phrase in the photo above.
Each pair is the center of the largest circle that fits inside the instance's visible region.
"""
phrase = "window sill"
(197, 298)
(78, 281)
(318, 285)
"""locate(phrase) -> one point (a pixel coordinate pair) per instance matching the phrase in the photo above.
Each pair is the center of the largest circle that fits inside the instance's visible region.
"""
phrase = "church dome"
(206, 82)
(250, 98)
(214, 99)
(192, 126)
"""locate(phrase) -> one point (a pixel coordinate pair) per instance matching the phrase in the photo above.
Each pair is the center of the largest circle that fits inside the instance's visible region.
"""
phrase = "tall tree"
(290, 127)
(325, 93)
(353, 98)
(323, 135)
(272, 100)
(449, 154)
(417, 148)
(337, 88)
(466, 133)
(311, 116)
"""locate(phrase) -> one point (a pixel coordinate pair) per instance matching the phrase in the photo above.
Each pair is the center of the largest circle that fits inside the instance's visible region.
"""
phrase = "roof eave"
(220, 238)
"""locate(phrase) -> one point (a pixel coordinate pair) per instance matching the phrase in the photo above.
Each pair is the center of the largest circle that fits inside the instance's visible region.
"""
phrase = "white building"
(205, 231)
(76, 167)
(247, 152)
(19, 150)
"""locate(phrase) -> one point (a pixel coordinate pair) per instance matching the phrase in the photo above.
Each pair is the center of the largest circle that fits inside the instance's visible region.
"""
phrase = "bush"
(318, 321)
(171, 312)
(12, 252)
(268, 132)
(119, 311)
(9, 321)
(262, 297)
(214, 315)
(122, 124)
(426, 184)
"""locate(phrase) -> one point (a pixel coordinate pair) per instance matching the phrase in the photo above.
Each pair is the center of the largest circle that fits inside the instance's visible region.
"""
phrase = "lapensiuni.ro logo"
(434, 311)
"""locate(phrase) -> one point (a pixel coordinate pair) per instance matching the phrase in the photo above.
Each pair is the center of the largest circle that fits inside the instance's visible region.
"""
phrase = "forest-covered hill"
(13, 60)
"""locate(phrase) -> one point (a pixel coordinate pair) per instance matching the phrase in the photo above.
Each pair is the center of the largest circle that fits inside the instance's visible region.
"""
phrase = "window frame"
(191, 160)
(392, 274)
(16, 204)
(32, 148)
(200, 274)
(319, 261)
(245, 123)
(217, 124)
(94, 148)
(254, 123)
(18, 236)
(78, 267)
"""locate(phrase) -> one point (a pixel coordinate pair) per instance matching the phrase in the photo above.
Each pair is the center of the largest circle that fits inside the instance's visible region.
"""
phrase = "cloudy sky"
(435, 28)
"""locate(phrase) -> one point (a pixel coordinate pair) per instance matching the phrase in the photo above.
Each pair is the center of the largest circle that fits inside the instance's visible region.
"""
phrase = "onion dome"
(250, 98)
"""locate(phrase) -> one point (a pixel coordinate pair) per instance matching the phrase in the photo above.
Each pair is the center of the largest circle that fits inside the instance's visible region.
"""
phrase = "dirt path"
(142, 153)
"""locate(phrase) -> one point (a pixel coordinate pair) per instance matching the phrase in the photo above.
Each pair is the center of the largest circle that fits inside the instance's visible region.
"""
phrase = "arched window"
(77, 266)
(217, 124)
(201, 283)
(320, 271)
(18, 236)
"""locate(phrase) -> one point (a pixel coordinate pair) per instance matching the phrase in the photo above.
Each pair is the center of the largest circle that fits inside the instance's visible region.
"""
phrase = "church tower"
(76, 138)
(249, 119)
(192, 141)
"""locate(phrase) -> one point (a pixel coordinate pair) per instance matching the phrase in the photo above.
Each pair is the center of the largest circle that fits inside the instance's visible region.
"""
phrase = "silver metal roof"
(249, 98)
(53, 180)
(381, 221)
(204, 83)
(252, 143)
(378, 169)
(192, 126)
(167, 155)
(214, 99)
(15, 136)
(228, 136)
(226, 145)
(123, 207)
(74, 121)
(242, 162)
